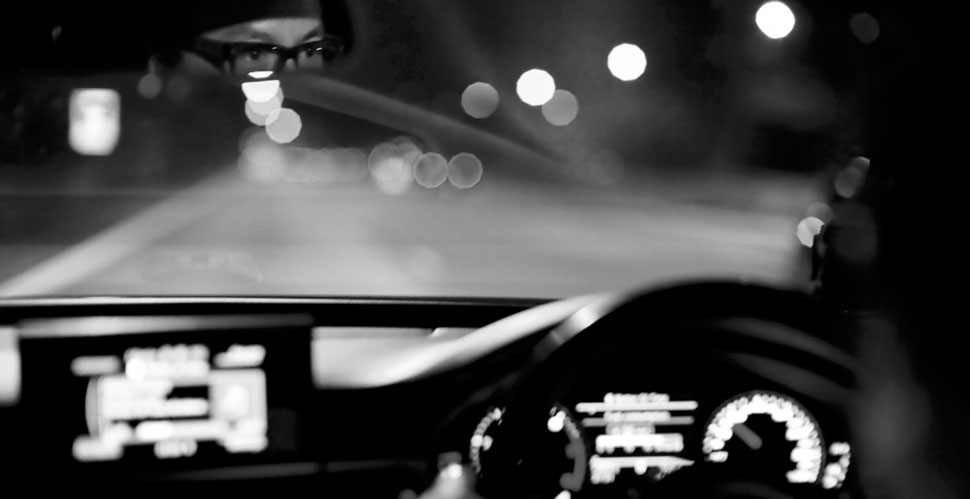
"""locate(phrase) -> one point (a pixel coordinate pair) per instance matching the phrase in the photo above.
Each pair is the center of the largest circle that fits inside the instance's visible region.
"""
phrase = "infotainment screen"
(168, 400)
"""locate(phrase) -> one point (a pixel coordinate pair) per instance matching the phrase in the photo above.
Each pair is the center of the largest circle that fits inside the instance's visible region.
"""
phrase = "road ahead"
(502, 238)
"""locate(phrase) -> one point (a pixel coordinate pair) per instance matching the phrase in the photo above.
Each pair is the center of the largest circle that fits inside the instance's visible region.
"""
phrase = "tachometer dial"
(768, 434)
(484, 437)
(548, 461)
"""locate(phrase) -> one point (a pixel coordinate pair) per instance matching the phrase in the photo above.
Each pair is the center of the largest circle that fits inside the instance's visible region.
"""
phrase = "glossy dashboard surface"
(712, 390)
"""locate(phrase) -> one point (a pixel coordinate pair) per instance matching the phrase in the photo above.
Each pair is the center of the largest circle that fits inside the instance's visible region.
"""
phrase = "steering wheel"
(688, 344)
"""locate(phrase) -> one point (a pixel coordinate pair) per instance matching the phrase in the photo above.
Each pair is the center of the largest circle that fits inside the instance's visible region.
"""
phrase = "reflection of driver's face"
(285, 33)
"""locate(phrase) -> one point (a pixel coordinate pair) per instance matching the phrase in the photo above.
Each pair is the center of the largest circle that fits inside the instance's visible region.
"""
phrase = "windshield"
(461, 148)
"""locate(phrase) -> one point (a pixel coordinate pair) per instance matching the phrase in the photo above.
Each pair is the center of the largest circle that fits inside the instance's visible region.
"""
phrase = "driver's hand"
(454, 481)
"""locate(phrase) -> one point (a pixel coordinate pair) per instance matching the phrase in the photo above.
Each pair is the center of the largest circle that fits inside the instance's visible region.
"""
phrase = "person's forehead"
(284, 31)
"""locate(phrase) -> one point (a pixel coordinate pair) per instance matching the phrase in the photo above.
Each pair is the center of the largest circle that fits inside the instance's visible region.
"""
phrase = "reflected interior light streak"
(479, 100)
(9, 367)
(807, 229)
(775, 19)
(627, 62)
(260, 75)
(430, 170)
(562, 109)
(865, 27)
(95, 121)
(260, 91)
(149, 86)
(284, 125)
(465, 170)
(535, 87)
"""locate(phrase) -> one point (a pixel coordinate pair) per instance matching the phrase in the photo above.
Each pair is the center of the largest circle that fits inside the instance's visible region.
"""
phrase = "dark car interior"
(851, 385)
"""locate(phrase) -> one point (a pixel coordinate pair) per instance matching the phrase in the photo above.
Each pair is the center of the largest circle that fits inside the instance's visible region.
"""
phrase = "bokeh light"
(390, 165)
(627, 62)
(821, 211)
(250, 137)
(302, 166)
(267, 107)
(865, 27)
(260, 91)
(562, 109)
(95, 121)
(178, 88)
(851, 178)
(261, 160)
(775, 19)
(479, 100)
(465, 170)
(430, 170)
(149, 86)
(283, 126)
(807, 229)
(344, 164)
(254, 117)
(859, 241)
(535, 87)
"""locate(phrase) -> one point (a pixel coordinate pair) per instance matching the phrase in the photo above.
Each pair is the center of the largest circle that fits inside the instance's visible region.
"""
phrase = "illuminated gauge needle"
(748, 436)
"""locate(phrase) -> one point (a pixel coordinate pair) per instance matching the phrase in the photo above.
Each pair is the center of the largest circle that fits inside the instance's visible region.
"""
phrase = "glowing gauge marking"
(575, 451)
(556, 462)
(797, 430)
(481, 441)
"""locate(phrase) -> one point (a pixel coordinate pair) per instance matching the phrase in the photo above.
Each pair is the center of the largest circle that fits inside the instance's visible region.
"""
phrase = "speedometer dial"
(766, 433)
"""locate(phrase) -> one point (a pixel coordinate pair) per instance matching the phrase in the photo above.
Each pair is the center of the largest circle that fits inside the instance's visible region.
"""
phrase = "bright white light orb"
(535, 87)
(627, 62)
(260, 91)
(775, 19)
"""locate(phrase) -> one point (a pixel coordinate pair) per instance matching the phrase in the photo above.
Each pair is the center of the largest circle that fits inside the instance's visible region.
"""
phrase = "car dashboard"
(699, 389)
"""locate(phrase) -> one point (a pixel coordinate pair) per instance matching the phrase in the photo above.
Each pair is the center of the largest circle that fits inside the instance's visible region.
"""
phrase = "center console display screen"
(168, 400)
